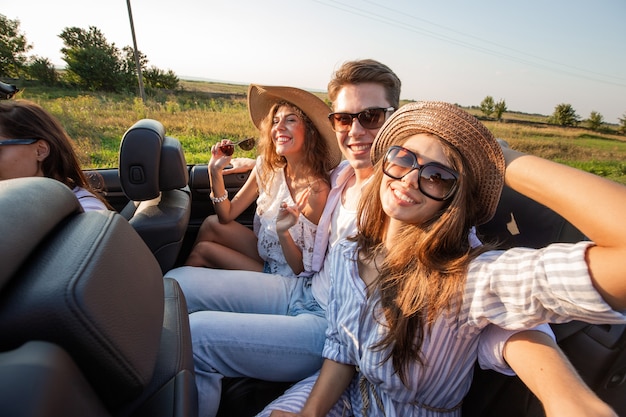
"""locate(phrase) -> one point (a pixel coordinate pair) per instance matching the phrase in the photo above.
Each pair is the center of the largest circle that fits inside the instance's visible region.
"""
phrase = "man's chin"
(361, 163)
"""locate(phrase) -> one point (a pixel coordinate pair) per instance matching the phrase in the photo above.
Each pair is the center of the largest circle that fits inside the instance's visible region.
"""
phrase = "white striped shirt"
(515, 289)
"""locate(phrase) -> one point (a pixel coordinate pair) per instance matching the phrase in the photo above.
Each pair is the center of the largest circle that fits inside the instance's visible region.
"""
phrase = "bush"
(42, 69)
(487, 106)
(157, 78)
(564, 115)
(595, 121)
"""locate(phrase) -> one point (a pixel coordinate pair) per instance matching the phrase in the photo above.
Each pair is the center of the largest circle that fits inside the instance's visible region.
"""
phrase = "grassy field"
(202, 113)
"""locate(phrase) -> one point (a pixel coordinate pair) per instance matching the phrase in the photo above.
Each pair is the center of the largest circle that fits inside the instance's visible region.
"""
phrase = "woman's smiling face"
(401, 199)
(288, 131)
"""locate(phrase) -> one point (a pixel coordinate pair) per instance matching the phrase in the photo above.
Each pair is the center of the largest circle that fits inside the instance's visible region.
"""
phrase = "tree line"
(92, 63)
(563, 115)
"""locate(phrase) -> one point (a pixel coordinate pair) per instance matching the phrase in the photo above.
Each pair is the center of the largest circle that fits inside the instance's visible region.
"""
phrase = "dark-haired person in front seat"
(34, 144)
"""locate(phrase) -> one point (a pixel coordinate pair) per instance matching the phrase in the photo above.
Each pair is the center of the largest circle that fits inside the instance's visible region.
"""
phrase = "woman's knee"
(208, 226)
(202, 254)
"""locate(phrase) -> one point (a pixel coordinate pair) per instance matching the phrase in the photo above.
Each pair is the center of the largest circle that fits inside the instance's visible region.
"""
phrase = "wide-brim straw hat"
(461, 130)
(261, 98)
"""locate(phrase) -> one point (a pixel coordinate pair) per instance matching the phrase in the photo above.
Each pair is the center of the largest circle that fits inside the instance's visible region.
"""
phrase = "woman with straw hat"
(290, 184)
(411, 298)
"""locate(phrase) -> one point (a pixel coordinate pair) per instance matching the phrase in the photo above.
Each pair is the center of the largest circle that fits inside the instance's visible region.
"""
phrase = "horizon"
(201, 79)
(534, 55)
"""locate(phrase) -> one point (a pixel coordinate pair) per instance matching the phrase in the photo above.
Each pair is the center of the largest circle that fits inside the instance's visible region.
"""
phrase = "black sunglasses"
(246, 145)
(435, 180)
(369, 119)
(17, 141)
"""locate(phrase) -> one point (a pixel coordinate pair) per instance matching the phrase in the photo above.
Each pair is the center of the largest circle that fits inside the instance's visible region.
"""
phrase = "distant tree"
(564, 115)
(595, 120)
(500, 108)
(93, 63)
(157, 78)
(487, 106)
(129, 67)
(13, 48)
(41, 69)
(622, 124)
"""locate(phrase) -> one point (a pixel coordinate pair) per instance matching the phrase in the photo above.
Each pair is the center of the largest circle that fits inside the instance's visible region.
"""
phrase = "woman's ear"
(42, 149)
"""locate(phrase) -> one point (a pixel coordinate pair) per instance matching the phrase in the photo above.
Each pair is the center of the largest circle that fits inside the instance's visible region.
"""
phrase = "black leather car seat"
(89, 326)
(154, 176)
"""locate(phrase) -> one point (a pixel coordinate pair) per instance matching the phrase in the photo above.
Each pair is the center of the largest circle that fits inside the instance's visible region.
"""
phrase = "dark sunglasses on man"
(435, 180)
(368, 118)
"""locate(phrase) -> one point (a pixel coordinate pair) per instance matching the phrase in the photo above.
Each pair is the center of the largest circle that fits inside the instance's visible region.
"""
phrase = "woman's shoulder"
(88, 200)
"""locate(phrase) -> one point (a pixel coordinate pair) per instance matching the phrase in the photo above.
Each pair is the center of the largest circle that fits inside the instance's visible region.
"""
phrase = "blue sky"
(534, 54)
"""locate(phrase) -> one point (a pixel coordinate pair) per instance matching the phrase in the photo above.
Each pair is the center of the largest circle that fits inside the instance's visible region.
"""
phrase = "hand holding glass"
(245, 144)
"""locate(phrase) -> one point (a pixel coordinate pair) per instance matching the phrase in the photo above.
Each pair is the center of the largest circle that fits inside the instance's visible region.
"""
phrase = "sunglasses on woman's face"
(246, 145)
(17, 141)
(435, 180)
(368, 118)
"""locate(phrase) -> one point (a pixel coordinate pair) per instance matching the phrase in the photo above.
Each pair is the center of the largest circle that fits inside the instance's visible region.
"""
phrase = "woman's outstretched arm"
(543, 367)
(595, 205)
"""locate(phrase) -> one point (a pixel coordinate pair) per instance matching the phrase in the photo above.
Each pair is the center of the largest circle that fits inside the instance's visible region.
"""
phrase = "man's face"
(355, 144)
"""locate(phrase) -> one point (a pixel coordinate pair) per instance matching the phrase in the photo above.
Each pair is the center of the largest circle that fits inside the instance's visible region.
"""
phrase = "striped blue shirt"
(515, 289)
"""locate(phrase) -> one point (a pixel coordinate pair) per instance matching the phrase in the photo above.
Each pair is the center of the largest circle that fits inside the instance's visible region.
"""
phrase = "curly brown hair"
(316, 151)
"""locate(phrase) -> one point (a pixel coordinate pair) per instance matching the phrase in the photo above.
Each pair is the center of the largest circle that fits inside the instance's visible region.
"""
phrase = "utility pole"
(142, 92)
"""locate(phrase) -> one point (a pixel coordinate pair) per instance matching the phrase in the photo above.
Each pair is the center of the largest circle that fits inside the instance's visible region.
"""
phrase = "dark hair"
(23, 119)
(366, 71)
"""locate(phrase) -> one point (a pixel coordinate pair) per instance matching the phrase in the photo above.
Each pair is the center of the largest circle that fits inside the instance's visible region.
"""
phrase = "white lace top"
(303, 233)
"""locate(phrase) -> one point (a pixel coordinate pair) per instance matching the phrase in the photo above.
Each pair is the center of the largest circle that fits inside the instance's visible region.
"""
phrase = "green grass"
(601, 153)
(198, 118)
(201, 113)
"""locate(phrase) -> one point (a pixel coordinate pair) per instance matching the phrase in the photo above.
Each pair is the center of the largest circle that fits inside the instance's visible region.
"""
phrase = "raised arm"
(541, 365)
(594, 205)
(310, 204)
(225, 209)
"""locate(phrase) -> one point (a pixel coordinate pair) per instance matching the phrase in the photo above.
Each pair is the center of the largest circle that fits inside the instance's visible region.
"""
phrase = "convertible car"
(91, 328)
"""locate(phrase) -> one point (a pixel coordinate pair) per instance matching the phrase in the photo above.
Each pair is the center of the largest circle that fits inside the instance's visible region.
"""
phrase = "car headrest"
(173, 171)
(150, 162)
(19, 238)
(140, 158)
(82, 280)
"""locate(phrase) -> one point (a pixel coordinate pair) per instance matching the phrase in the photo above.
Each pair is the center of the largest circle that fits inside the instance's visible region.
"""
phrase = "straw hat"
(461, 130)
(261, 99)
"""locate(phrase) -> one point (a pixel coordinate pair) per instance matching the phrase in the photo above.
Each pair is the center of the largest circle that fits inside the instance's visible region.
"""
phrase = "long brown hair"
(23, 119)
(316, 151)
(424, 276)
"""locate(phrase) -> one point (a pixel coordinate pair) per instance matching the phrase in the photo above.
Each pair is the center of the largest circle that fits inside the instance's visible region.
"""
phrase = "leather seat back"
(154, 176)
(62, 282)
